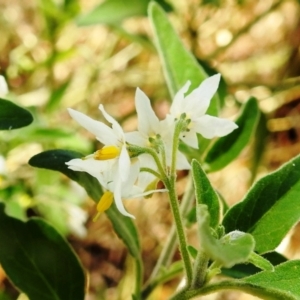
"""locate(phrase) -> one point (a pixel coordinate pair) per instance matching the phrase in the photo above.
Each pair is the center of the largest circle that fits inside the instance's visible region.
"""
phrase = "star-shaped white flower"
(151, 128)
(111, 161)
(113, 140)
(115, 189)
(194, 106)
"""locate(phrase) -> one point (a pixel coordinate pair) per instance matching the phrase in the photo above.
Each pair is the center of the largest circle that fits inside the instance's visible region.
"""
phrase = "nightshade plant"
(237, 243)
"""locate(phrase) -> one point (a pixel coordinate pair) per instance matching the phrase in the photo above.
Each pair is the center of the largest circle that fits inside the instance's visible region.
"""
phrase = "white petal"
(147, 120)
(103, 133)
(93, 167)
(178, 101)
(166, 128)
(197, 102)
(182, 162)
(118, 131)
(147, 161)
(127, 186)
(124, 164)
(119, 202)
(136, 138)
(136, 195)
(145, 178)
(211, 127)
(190, 138)
(88, 165)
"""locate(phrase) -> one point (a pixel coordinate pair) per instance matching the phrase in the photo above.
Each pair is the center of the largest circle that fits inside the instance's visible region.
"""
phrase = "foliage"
(61, 67)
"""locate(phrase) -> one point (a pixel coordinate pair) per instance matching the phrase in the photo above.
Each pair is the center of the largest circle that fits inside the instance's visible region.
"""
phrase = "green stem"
(170, 185)
(170, 246)
(259, 291)
(138, 278)
(157, 161)
(137, 150)
(163, 155)
(200, 269)
(166, 276)
(156, 174)
(178, 129)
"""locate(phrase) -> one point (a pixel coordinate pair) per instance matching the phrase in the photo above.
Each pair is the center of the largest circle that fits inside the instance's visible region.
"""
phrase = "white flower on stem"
(107, 174)
(113, 140)
(100, 169)
(112, 160)
(111, 165)
(152, 131)
(3, 86)
(129, 189)
(115, 189)
(194, 106)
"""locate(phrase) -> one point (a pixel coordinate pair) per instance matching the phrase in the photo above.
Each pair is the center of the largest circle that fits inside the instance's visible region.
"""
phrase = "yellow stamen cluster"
(107, 152)
(104, 204)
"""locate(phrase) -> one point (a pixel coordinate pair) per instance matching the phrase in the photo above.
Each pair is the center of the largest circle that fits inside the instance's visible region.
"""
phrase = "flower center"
(107, 152)
(186, 122)
(155, 142)
(104, 204)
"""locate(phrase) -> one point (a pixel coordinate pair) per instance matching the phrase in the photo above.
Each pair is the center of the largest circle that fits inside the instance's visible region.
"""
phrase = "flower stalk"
(170, 184)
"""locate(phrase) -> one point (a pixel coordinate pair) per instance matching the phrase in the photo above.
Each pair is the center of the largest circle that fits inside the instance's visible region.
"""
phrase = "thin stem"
(157, 161)
(163, 155)
(178, 129)
(261, 292)
(138, 277)
(200, 269)
(166, 254)
(137, 150)
(170, 246)
(156, 174)
(170, 185)
(164, 277)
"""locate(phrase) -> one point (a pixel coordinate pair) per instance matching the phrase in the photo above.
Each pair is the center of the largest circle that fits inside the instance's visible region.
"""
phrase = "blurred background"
(57, 54)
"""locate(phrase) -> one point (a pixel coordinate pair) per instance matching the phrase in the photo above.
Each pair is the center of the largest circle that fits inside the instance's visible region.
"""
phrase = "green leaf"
(227, 148)
(179, 65)
(115, 11)
(56, 160)
(205, 194)
(38, 260)
(260, 262)
(231, 249)
(13, 116)
(192, 251)
(247, 269)
(270, 209)
(285, 278)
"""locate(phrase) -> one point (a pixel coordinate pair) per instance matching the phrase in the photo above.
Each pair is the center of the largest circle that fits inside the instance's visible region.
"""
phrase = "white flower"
(111, 165)
(194, 107)
(151, 131)
(111, 161)
(116, 190)
(113, 140)
(3, 86)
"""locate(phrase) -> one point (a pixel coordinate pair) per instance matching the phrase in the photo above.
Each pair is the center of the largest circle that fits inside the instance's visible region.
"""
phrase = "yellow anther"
(107, 152)
(104, 203)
